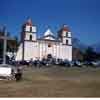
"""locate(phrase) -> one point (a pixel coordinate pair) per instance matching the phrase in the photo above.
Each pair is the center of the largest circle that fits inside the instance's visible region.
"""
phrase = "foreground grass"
(54, 82)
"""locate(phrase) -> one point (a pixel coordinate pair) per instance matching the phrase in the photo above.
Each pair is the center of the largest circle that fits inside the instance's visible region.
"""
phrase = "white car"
(10, 72)
(96, 63)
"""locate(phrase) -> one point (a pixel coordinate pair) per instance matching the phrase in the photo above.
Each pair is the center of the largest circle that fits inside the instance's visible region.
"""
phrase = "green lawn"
(54, 82)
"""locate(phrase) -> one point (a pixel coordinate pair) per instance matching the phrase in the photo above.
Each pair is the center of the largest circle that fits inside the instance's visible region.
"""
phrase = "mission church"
(31, 47)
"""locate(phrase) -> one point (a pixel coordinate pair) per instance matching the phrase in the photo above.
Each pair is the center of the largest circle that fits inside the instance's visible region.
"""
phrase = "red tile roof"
(66, 28)
(29, 22)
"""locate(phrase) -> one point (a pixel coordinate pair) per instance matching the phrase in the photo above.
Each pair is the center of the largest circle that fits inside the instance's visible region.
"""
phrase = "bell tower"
(28, 34)
(28, 31)
(64, 35)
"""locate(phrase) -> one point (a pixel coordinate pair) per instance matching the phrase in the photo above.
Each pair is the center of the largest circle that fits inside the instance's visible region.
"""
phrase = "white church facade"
(32, 47)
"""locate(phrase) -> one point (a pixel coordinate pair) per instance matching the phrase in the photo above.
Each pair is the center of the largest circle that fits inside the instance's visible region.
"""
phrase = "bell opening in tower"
(30, 37)
(30, 29)
(66, 42)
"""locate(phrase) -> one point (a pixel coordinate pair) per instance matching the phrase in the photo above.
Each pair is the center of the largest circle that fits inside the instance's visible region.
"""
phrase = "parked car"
(43, 61)
(10, 72)
(66, 63)
(71, 63)
(76, 63)
(96, 63)
(37, 63)
(23, 63)
(88, 63)
(59, 62)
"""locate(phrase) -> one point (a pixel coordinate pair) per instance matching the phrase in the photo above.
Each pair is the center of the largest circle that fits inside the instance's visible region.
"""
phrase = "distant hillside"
(96, 47)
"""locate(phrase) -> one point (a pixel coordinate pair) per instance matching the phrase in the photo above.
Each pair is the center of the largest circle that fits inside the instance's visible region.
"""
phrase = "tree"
(16, 43)
(90, 54)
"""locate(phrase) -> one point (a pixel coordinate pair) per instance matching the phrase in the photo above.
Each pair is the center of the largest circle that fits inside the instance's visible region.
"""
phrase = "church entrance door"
(49, 56)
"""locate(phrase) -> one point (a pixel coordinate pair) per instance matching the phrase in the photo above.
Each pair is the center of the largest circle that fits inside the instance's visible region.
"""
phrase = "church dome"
(29, 22)
(49, 35)
(65, 28)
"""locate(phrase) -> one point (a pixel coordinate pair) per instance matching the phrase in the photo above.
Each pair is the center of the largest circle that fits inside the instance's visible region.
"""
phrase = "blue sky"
(82, 16)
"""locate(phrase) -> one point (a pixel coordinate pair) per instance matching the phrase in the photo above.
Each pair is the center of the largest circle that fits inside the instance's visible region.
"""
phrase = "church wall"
(69, 41)
(27, 28)
(41, 50)
(31, 50)
(19, 53)
(34, 50)
(65, 52)
(57, 50)
(68, 52)
(27, 37)
(44, 50)
(69, 34)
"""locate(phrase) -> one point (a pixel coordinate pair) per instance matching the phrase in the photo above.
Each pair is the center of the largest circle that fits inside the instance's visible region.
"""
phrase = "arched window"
(49, 45)
(30, 37)
(30, 29)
